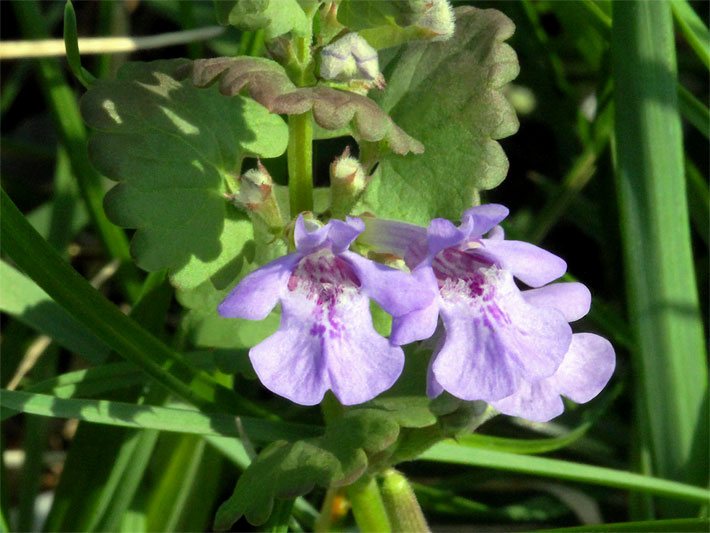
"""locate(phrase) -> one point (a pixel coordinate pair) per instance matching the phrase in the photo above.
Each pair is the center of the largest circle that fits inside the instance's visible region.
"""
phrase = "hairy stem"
(300, 163)
(367, 505)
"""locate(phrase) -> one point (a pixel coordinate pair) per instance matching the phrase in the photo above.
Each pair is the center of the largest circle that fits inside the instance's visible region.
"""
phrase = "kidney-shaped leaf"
(173, 147)
(268, 84)
(448, 94)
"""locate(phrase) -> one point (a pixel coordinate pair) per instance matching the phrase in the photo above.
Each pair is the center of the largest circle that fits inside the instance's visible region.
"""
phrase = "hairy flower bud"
(437, 18)
(347, 182)
(256, 195)
(351, 58)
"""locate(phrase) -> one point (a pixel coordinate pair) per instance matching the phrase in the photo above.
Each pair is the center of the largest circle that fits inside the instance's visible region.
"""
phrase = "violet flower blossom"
(326, 339)
(511, 348)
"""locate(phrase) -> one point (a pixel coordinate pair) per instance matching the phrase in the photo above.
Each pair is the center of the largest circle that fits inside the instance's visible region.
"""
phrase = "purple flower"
(326, 339)
(508, 347)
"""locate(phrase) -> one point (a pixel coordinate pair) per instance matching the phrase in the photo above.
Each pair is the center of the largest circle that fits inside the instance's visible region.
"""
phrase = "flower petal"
(587, 367)
(530, 264)
(443, 234)
(309, 235)
(420, 324)
(538, 402)
(258, 293)
(433, 387)
(415, 326)
(393, 237)
(573, 299)
(395, 291)
(497, 340)
(497, 233)
(485, 217)
(360, 363)
(291, 362)
(342, 234)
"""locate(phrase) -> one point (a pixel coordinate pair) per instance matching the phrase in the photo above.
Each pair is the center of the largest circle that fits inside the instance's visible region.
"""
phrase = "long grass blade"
(670, 358)
(447, 452)
(179, 420)
(22, 243)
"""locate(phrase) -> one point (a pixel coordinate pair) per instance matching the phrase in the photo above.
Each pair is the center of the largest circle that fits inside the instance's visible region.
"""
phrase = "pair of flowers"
(494, 342)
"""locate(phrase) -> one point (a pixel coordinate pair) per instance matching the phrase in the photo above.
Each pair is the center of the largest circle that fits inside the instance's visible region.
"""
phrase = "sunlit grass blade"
(178, 420)
(22, 243)
(662, 297)
(693, 28)
(447, 452)
(24, 300)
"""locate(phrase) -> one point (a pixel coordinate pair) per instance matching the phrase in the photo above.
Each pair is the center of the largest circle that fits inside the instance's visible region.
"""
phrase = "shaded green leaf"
(449, 96)
(287, 470)
(174, 149)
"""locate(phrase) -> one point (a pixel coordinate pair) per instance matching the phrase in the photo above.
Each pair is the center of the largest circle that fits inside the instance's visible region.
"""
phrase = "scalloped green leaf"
(173, 149)
(275, 17)
(361, 14)
(267, 82)
(448, 95)
(287, 470)
(206, 328)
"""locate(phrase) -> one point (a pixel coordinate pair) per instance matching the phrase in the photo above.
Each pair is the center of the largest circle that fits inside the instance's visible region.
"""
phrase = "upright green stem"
(368, 507)
(300, 163)
(300, 130)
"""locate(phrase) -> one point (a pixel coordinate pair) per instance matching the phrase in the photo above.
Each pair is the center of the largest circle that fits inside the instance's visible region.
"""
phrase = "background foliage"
(608, 169)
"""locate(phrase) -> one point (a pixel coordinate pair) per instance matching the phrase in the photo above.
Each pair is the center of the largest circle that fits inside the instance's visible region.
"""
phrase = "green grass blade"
(22, 243)
(661, 289)
(679, 525)
(167, 498)
(71, 44)
(447, 452)
(23, 299)
(693, 29)
(694, 111)
(104, 470)
(698, 201)
(179, 420)
(65, 112)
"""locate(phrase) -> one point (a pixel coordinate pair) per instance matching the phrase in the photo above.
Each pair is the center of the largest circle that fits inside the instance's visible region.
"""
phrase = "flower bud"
(351, 58)
(256, 195)
(401, 503)
(347, 182)
(437, 19)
